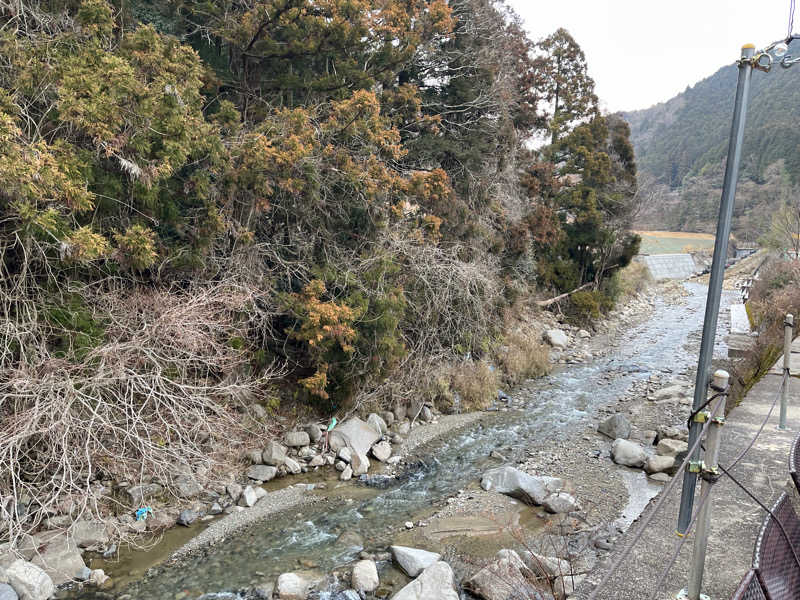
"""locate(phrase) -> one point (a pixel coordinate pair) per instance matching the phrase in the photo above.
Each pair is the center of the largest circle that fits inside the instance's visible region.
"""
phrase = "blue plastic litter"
(143, 513)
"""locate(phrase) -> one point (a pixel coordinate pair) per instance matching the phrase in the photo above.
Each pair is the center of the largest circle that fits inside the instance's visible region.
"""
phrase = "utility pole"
(717, 274)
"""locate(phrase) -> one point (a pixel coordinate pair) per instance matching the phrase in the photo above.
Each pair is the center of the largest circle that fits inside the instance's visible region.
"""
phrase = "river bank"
(565, 455)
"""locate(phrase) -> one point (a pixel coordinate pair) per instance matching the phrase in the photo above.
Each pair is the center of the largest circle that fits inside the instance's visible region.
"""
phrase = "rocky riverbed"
(426, 490)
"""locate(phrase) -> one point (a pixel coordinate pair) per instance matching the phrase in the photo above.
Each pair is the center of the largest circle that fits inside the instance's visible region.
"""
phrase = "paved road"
(736, 518)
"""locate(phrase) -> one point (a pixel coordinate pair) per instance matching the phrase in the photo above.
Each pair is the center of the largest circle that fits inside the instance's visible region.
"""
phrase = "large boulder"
(365, 576)
(273, 454)
(140, 495)
(616, 426)
(556, 338)
(505, 578)
(354, 434)
(413, 560)
(658, 464)
(29, 581)
(261, 472)
(248, 497)
(520, 485)
(56, 553)
(292, 466)
(435, 583)
(671, 448)
(629, 454)
(292, 586)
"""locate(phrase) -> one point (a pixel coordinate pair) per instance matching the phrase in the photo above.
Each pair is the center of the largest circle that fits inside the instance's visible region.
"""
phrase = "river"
(553, 406)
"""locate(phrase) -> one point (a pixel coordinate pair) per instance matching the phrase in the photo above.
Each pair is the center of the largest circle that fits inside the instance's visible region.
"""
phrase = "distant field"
(673, 242)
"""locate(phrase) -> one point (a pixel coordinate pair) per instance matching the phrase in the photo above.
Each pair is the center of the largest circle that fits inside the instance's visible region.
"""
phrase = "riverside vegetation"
(220, 217)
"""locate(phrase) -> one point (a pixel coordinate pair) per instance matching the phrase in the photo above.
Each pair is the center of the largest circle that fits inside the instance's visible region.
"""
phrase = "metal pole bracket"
(702, 416)
(696, 466)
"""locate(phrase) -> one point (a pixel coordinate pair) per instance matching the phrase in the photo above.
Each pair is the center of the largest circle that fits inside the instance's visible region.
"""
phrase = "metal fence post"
(788, 326)
(708, 469)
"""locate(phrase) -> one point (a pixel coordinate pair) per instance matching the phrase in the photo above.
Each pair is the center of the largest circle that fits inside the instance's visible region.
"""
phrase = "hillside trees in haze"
(212, 205)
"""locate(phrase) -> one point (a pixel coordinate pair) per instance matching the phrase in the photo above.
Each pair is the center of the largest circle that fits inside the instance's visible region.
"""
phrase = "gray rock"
(292, 466)
(426, 415)
(403, 427)
(248, 497)
(254, 456)
(365, 576)
(98, 577)
(506, 577)
(234, 490)
(354, 434)
(616, 426)
(413, 560)
(556, 338)
(388, 416)
(56, 553)
(273, 454)
(340, 466)
(187, 517)
(215, 509)
(382, 451)
(350, 540)
(658, 464)
(668, 393)
(627, 453)
(306, 452)
(660, 477)
(317, 461)
(186, 486)
(400, 411)
(82, 576)
(667, 447)
(377, 423)
(566, 585)
(7, 592)
(89, 533)
(314, 432)
(520, 485)
(141, 494)
(261, 472)
(345, 454)
(347, 473)
(296, 439)
(260, 493)
(547, 567)
(258, 411)
(292, 586)
(561, 502)
(435, 583)
(359, 463)
(583, 334)
(29, 581)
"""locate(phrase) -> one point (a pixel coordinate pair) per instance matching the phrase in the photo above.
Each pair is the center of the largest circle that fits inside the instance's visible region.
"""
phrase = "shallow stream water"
(552, 407)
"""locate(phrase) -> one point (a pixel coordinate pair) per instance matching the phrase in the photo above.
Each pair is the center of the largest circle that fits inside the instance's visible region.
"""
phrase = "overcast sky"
(641, 52)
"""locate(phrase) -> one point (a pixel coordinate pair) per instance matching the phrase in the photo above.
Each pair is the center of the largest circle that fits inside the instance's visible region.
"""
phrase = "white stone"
(413, 560)
(292, 466)
(365, 576)
(382, 451)
(560, 503)
(292, 586)
(520, 485)
(556, 338)
(354, 434)
(629, 454)
(435, 583)
(359, 463)
(658, 464)
(667, 447)
(248, 497)
(29, 581)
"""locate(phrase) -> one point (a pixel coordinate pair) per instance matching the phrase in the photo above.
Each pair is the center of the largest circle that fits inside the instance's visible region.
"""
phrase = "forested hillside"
(213, 207)
(683, 142)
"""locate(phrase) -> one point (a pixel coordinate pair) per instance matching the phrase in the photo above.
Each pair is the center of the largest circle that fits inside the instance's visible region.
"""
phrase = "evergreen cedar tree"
(142, 141)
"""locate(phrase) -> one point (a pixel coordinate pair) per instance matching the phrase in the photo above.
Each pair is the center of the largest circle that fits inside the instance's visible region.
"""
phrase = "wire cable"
(649, 517)
(769, 511)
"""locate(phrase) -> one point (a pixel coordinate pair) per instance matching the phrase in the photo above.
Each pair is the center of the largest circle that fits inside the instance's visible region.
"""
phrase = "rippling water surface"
(554, 406)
